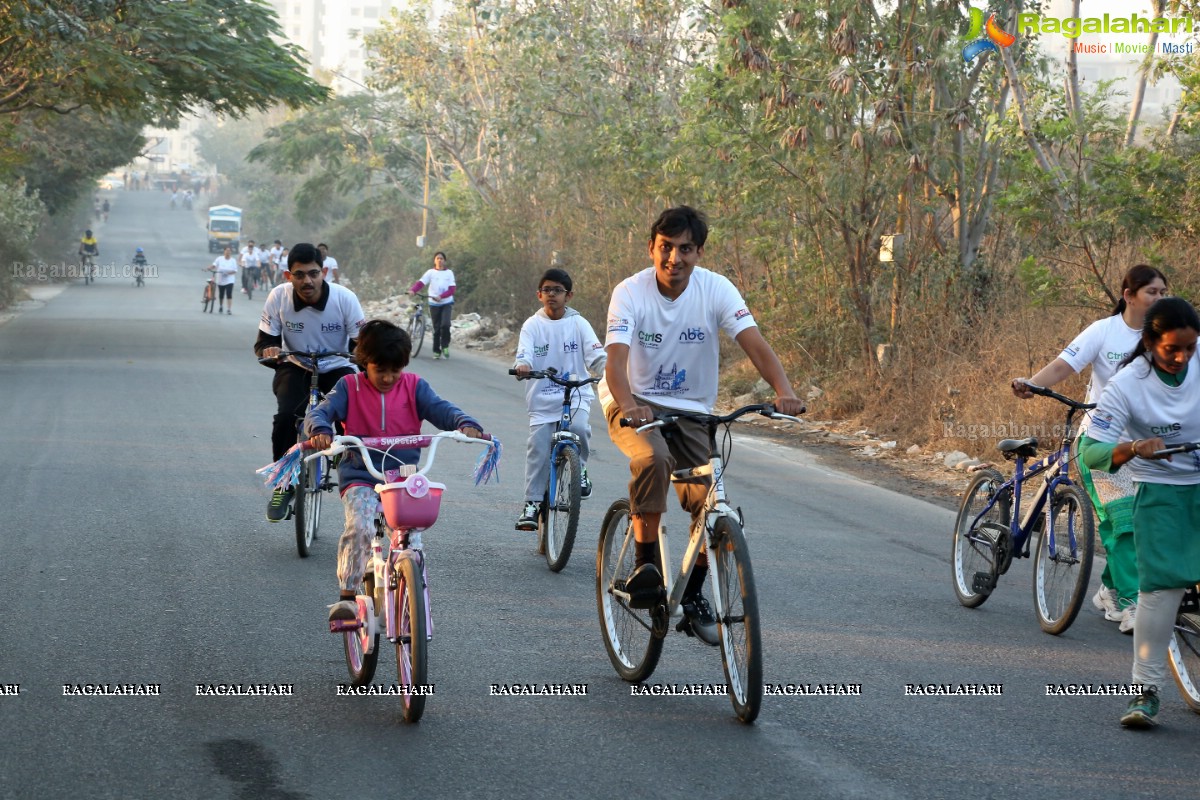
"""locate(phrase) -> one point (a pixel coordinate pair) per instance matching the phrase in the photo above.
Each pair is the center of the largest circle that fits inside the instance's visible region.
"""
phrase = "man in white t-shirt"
(226, 269)
(307, 315)
(663, 326)
(329, 262)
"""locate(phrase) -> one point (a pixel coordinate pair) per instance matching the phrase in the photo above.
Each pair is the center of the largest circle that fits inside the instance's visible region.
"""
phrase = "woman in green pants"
(1103, 345)
(1155, 400)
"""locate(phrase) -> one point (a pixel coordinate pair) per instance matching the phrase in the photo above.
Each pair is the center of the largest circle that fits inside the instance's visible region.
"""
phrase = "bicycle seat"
(1026, 448)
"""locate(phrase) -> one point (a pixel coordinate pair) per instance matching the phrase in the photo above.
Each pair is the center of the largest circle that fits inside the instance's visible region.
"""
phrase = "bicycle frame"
(716, 505)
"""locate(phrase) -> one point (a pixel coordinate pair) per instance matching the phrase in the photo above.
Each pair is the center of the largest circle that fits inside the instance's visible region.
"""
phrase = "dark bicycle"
(991, 529)
(316, 474)
(416, 323)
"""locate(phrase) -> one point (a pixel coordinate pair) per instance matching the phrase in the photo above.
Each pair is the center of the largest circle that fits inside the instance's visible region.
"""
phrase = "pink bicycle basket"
(412, 503)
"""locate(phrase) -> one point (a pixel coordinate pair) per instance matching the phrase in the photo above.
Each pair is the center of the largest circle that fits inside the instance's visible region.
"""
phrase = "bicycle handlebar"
(1186, 447)
(765, 409)
(1053, 395)
(312, 358)
(343, 443)
(551, 374)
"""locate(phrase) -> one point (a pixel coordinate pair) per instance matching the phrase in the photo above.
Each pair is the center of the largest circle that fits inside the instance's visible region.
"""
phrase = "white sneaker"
(1105, 600)
(1127, 615)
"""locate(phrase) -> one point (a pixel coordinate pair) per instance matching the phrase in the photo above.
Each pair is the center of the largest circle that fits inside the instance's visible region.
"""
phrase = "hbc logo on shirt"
(570, 347)
(692, 335)
(330, 327)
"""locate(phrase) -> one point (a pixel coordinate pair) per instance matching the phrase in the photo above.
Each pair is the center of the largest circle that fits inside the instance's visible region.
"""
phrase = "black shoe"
(585, 485)
(277, 509)
(699, 617)
(528, 521)
(644, 586)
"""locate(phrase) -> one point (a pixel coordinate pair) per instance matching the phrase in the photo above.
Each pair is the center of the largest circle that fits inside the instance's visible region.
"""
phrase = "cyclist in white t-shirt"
(556, 336)
(226, 269)
(329, 262)
(1103, 346)
(440, 281)
(662, 345)
(306, 314)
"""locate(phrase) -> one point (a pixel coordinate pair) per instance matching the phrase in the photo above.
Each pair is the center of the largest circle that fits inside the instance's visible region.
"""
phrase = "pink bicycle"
(398, 583)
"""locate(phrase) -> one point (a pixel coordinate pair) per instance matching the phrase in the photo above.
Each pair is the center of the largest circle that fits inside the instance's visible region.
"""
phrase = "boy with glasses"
(556, 336)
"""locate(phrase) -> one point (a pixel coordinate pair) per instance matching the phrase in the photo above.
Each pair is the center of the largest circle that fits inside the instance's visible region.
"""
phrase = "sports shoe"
(1105, 600)
(1127, 615)
(277, 509)
(1142, 709)
(437, 356)
(585, 485)
(528, 521)
(446, 352)
(699, 615)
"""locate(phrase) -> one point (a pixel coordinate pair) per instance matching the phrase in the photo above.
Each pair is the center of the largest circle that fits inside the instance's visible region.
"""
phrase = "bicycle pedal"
(983, 583)
(343, 625)
(685, 626)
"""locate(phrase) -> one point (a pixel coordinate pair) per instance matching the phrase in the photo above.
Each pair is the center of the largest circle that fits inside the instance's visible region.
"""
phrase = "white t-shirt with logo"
(226, 270)
(250, 256)
(438, 281)
(313, 330)
(570, 345)
(1103, 345)
(1137, 404)
(673, 348)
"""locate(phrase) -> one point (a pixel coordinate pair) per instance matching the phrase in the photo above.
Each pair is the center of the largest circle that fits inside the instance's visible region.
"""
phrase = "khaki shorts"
(653, 456)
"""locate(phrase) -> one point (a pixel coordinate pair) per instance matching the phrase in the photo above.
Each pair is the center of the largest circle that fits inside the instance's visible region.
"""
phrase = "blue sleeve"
(330, 410)
(442, 413)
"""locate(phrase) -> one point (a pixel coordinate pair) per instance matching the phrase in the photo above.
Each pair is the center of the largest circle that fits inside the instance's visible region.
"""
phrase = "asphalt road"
(135, 551)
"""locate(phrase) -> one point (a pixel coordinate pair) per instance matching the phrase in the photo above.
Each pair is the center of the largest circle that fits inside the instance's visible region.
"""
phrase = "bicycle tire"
(307, 504)
(412, 643)
(562, 512)
(967, 555)
(629, 638)
(738, 627)
(359, 662)
(1183, 654)
(1060, 583)
(416, 332)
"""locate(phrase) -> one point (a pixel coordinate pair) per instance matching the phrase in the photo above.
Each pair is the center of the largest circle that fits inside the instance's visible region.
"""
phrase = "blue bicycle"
(559, 517)
(991, 529)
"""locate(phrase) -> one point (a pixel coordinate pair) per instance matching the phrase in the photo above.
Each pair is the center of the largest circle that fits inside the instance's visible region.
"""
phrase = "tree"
(147, 59)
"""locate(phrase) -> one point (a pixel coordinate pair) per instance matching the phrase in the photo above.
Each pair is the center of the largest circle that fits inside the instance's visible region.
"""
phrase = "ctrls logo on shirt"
(993, 36)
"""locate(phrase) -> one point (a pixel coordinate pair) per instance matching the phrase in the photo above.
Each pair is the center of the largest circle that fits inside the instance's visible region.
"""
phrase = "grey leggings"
(1152, 628)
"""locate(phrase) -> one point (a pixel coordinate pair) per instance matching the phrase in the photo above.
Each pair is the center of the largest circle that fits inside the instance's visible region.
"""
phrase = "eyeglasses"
(552, 291)
(312, 273)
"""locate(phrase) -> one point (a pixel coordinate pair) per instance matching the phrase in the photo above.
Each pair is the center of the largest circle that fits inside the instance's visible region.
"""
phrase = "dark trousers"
(291, 391)
(441, 326)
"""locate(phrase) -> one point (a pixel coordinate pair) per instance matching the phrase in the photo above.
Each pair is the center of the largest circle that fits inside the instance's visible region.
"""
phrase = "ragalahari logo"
(982, 38)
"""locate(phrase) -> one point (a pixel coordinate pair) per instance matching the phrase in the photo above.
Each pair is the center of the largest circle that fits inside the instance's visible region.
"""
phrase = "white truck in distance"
(224, 228)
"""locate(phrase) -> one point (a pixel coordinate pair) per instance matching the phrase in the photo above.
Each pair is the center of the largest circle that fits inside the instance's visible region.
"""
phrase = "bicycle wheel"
(629, 635)
(738, 623)
(1184, 652)
(416, 332)
(307, 503)
(359, 662)
(412, 646)
(980, 554)
(1060, 580)
(562, 514)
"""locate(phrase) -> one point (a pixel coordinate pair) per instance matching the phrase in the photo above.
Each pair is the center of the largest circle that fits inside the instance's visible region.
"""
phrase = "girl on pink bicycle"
(381, 401)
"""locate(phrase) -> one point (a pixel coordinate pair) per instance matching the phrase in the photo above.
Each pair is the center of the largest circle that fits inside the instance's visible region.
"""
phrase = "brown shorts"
(653, 456)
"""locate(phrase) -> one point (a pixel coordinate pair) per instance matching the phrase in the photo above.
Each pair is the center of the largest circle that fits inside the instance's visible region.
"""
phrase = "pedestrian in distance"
(1103, 346)
(331, 264)
(226, 269)
(1151, 403)
(440, 281)
(556, 336)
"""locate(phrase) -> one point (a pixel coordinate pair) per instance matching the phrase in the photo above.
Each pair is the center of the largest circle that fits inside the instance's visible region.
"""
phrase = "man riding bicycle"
(662, 345)
(89, 248)
(305, 314)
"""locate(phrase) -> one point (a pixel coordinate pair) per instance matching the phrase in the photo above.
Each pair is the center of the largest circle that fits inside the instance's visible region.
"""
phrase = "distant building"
(331, 33)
